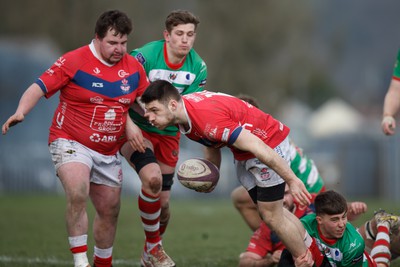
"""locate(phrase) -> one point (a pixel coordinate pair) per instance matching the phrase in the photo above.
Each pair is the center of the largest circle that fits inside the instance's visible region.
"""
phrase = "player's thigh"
(75, 178)
(166, 150)
(106, 199)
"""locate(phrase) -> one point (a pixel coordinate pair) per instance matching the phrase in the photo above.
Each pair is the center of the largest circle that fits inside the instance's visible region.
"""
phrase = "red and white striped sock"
(150, 209)
(102, 257)
(380, 251)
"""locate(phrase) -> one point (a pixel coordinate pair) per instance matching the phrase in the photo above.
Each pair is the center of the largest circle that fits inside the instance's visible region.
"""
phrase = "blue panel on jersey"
(234, 135)
(111, 89)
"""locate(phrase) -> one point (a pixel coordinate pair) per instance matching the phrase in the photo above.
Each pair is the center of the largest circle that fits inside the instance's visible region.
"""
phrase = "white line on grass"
(54, 261)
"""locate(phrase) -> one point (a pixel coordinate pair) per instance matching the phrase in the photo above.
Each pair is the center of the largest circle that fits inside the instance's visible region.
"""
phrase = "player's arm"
(27, 102)
(247, 141)
(391, 106)
(213, 155)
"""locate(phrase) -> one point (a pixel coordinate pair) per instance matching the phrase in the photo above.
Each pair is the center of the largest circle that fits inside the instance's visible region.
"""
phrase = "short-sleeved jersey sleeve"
(396, 69)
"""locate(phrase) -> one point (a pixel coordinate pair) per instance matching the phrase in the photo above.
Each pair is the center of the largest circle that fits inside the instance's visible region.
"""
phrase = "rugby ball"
(198, 174)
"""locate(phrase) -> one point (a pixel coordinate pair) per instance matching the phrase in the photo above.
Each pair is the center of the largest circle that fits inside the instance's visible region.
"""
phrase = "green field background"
(202, 232)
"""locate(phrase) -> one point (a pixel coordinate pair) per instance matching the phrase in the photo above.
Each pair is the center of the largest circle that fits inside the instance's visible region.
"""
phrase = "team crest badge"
(125, 86)
(172, 76)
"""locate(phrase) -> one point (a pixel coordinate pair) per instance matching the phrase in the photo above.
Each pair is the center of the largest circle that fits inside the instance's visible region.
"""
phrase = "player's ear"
(166, 35)
(319, 219)
(173, 104)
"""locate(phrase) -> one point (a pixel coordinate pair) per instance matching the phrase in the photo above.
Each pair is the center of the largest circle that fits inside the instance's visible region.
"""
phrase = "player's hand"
(355, 209)
(305, 260)
(299, 192)
(276, 256)
(388, 125)
(134, 136)
(13, 120)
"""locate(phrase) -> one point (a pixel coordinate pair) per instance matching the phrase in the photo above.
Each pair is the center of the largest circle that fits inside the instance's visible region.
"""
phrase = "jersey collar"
(182, 127)
(169, 64)
(94, 52)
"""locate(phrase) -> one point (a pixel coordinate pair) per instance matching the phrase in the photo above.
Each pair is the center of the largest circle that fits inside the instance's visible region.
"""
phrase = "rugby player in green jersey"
(172, 59)
(334, 241)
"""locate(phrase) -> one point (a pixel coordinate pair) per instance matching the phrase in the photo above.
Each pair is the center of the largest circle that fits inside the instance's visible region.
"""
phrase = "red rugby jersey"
(94, 97)
(217, 119)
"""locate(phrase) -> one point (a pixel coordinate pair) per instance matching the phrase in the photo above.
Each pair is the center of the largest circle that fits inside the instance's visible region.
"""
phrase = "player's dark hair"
(330, 203)
(161, 91)
(249, 99)
(113, 19)
(178, 17)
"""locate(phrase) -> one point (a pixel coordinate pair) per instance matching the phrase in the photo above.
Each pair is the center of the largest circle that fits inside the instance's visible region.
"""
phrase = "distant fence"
(356, 165)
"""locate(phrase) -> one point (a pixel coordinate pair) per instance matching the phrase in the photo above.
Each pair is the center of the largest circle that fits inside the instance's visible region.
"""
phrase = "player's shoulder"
(77, 57)
(149, 47)
(309, 221)
(149, 52)
(196, 58)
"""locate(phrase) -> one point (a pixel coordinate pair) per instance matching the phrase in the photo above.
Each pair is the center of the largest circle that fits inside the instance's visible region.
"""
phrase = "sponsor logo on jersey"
(358, 258)
(187, 76)
(50, 72)
(203, 66)
(110, 115)
(140, 58)
(96, 138)
(124, 100)
(96, 99)
(97, 85)
(60, 61)
(60, 115)
(203, 82)
(122, 73)
(225, 135)
(212, 132)
(125, 86)
(96, 71)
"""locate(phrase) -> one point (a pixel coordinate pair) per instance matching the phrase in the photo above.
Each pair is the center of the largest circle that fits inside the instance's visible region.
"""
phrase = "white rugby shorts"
(105, 170)
(253, 172)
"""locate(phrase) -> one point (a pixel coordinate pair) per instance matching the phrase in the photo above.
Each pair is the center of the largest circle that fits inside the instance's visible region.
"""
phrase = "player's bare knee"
(154, 184)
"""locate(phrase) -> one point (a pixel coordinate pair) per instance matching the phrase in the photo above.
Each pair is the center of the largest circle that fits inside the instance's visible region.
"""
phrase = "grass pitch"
(203, 232)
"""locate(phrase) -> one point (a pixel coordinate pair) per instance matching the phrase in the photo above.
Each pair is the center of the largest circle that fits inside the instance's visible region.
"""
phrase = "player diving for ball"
(259, 143)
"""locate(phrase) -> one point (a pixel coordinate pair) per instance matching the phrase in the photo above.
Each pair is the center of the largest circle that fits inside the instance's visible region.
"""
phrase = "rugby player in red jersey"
(97, 84)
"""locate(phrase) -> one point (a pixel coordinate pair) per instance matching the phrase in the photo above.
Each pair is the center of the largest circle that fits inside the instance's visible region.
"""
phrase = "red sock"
(102, 262)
